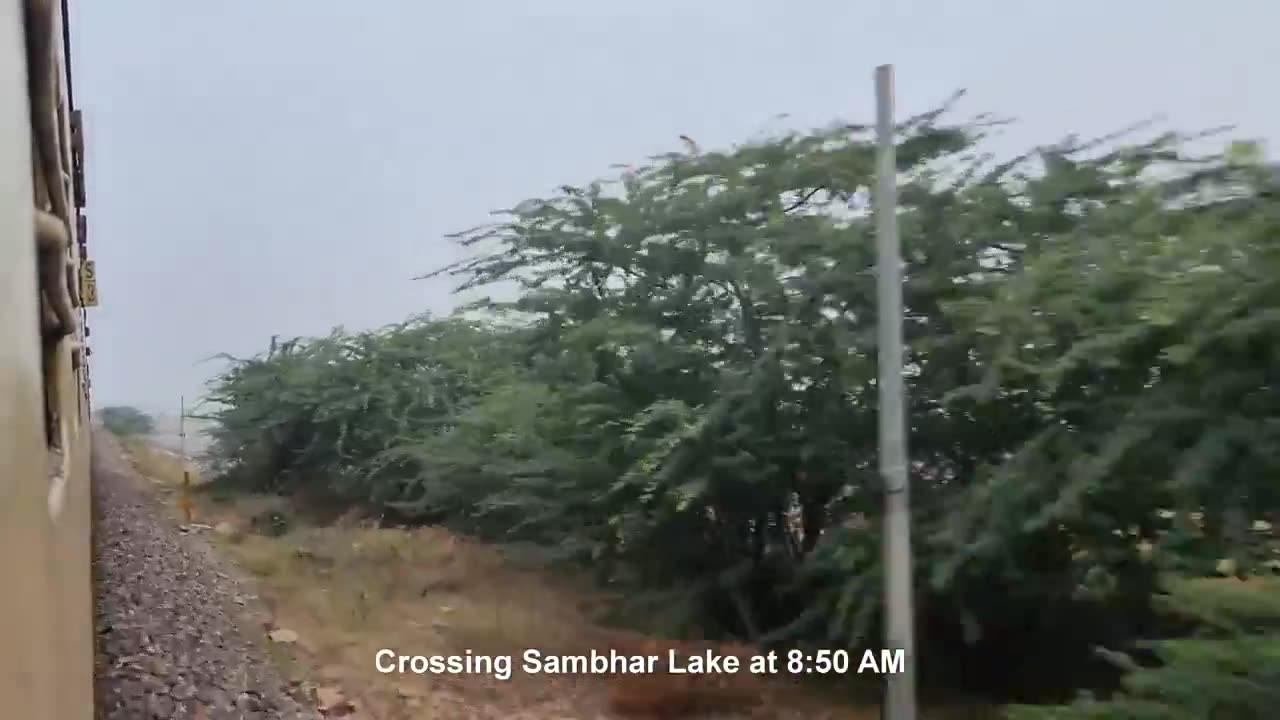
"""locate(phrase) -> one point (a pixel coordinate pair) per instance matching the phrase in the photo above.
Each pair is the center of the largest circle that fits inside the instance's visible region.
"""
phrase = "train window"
(52, 166)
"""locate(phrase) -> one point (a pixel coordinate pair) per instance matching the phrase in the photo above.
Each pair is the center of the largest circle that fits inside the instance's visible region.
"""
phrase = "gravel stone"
(175, 639)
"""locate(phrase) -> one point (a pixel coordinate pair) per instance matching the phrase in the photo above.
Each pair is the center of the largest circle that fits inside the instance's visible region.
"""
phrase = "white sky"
(284, 166)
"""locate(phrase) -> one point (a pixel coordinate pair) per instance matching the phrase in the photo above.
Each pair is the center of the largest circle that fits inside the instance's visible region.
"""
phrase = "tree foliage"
(1230, 670)
(682, 396)
(126, 421)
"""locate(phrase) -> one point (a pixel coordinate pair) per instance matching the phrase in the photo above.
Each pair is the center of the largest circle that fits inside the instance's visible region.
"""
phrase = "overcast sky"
(260, 167)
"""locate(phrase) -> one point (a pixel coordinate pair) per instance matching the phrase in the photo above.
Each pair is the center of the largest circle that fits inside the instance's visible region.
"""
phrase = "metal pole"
(182, 428)
(900, 697)
(182, 457)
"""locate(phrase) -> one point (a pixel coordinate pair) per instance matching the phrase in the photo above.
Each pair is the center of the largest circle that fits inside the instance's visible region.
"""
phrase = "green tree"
(126, 421)
(682, 396)
(1230, 670)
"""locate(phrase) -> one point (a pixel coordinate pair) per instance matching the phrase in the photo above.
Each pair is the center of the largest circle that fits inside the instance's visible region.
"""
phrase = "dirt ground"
(332, 597)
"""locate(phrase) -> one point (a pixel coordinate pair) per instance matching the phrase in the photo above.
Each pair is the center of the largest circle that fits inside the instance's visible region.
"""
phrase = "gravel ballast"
(175, 634)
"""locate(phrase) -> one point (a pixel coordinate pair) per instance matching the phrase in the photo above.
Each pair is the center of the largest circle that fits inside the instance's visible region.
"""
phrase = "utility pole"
(185, 499)
(900, 696)
(182, 428)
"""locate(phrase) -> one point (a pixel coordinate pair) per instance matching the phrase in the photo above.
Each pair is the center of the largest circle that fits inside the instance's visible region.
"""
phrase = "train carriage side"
(46, 604)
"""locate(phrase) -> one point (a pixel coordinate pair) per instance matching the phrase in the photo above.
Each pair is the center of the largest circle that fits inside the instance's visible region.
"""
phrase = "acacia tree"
(126, 421)
(710, 322)
(683, 394)
(317, 414)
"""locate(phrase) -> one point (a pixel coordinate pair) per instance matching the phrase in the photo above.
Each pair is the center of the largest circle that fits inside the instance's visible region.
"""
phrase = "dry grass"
(157, 464)
(165, 470)
(349, 591)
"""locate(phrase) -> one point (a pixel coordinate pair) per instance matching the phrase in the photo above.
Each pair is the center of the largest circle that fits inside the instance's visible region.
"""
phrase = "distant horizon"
(153, 410)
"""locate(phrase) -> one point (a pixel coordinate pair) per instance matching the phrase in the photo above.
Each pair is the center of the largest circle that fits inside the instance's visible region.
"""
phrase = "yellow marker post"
(184, 500)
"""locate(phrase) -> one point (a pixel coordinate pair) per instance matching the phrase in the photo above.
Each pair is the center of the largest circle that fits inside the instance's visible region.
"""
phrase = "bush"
(683, 395)
(126, 421)
(1229, 670)
(271, 523)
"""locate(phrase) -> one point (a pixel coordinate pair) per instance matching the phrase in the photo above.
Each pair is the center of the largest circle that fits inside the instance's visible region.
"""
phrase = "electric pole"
(900, 697)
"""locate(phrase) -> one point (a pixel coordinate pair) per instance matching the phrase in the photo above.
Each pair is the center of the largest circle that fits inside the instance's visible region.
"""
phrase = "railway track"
(174, 624)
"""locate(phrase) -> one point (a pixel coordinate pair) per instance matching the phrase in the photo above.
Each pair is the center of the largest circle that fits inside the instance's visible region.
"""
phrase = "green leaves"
(126, 421)
(683, 395)
(1232, 672)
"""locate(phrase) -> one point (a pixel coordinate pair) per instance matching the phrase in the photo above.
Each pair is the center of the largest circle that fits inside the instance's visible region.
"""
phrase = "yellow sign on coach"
(88, 284)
